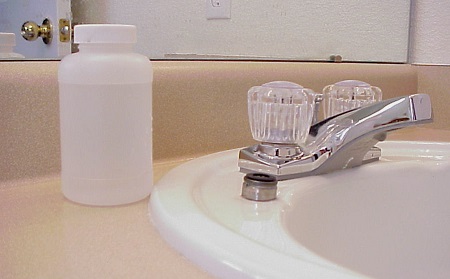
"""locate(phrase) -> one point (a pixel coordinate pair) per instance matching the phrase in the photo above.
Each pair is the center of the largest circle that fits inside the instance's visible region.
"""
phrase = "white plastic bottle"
(7, 43)
(105, 117)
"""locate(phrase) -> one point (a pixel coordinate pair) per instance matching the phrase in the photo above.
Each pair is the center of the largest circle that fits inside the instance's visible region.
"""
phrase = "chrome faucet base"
(284, 168)
(251, 160)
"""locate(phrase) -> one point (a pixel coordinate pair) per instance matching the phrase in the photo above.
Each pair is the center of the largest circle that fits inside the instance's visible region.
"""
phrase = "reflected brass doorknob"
(31, 31)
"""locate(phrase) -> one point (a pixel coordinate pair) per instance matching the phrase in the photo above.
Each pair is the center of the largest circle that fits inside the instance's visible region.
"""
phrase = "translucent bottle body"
(106, 125)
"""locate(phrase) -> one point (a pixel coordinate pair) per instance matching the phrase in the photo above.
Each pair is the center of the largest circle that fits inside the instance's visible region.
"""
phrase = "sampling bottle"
(7, 43)
(105, 93)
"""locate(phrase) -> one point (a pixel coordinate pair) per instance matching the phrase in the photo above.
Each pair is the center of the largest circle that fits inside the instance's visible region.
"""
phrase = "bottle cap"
(105, 33)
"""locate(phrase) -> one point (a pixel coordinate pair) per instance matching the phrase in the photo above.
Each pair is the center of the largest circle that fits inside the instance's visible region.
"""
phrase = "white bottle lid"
(105, 33)
(7, 39)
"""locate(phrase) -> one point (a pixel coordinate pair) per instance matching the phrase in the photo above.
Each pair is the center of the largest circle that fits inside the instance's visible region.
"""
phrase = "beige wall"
(435, 80)
(199, 107)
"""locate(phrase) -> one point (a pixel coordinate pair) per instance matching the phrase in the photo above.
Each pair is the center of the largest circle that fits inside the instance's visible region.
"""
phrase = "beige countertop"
(43, 235)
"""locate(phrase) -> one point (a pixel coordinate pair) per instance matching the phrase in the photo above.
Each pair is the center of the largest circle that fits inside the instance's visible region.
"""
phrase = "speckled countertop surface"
(43, 235)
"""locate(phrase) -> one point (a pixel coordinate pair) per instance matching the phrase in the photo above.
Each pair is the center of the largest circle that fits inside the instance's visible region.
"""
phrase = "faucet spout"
(349, 136)
(342, 141)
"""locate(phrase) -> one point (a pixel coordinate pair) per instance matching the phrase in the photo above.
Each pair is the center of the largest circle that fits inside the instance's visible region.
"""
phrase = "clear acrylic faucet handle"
(349, 94)
(280, 112)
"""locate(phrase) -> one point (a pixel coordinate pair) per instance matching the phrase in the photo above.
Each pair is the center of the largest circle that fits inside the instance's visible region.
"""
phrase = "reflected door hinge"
(65, 30)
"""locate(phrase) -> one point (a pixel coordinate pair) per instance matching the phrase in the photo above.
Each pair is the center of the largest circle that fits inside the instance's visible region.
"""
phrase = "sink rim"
(176, 210)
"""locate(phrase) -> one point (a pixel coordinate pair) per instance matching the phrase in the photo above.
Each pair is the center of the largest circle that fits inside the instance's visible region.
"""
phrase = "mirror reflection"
(41, 22)
(233, 29)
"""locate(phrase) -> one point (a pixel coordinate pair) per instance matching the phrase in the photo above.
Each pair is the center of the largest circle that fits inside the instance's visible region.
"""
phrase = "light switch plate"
(218, 9)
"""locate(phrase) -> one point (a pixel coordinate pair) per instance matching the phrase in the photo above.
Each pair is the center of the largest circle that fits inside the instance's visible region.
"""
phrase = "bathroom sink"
(387, 219)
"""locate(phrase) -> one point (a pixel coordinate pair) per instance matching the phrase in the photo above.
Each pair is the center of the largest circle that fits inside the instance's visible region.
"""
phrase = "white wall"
(430, 32)
(308, 29)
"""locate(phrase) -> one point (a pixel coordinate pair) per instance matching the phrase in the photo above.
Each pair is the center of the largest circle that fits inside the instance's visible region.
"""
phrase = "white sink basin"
(388, 219)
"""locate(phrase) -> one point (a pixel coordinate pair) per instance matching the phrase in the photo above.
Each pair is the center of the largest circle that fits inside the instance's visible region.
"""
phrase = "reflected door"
(14, 13)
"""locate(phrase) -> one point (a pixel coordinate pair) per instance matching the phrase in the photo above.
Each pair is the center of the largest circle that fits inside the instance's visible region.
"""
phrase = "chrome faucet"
(339, 142)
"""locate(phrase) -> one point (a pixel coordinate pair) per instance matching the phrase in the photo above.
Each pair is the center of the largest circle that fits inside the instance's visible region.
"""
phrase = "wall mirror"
(310, 30)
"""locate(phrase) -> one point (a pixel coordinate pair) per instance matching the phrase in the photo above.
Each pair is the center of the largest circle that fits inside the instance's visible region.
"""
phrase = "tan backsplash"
(435, 81)
(199, 107)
